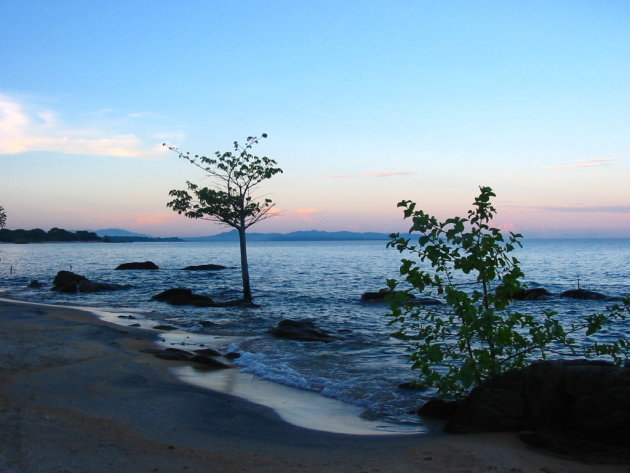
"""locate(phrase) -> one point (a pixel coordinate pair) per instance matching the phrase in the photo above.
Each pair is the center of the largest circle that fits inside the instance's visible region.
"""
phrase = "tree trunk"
(247, 291)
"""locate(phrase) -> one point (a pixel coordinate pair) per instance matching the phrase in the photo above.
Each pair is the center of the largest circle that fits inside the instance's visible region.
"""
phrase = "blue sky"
(365, 103)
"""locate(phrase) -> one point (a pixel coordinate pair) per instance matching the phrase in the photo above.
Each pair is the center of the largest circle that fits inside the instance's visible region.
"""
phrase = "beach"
(78, 394)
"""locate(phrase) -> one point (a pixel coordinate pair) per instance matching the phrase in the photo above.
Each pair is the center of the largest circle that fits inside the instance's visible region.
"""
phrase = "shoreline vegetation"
(78, 394)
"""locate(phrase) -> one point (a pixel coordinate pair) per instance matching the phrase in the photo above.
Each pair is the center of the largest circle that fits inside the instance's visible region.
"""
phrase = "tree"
(474, 337)
(230, 202)
(3, 217)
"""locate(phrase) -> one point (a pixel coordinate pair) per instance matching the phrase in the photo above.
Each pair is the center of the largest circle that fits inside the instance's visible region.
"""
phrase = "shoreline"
(77, 394)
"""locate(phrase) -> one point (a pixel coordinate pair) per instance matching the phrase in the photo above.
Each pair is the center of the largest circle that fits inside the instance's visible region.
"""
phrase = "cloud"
(612, 209)
(371, 174)
(586, 163)
(23, 130)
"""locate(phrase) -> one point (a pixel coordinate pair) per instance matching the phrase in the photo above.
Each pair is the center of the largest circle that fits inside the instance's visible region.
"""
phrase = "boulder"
(138, 265)
(533, 294)
(204, 267)
(302, 330)
(584, 294)
(381, 296)
(35, 284)
(183, 296)
(587, 401)
(176, 354)
(67, 281)
(164, 327)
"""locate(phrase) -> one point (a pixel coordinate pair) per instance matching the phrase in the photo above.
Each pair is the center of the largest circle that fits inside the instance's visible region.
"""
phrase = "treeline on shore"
(37, 235)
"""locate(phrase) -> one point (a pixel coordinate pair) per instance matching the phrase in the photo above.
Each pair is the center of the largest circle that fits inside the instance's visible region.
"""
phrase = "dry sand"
(77, 395)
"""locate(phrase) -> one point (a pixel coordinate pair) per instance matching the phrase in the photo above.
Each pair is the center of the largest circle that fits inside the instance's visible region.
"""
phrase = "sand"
(78, 395)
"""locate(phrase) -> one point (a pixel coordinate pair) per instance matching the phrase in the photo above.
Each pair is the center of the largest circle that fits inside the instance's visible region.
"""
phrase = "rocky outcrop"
(204, 267)
(202, 357)
(382, 296)
(584, 294)
(138, 265)
(302, 330)
(182, 296)
(580, 401)
(533, 294)
(67, 281)
(35, 284)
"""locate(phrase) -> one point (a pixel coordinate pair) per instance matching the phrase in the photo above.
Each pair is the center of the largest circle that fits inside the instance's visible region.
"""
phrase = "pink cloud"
(158, 218)
(585, 163)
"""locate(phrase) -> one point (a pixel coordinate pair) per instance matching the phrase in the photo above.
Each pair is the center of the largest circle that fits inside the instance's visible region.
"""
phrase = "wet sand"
(78, 395)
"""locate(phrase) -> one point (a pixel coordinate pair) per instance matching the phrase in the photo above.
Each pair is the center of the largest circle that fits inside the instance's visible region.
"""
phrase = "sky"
(365, 103)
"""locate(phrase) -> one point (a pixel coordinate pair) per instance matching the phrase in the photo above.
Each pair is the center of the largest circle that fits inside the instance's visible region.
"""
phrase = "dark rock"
(438, 409)
(207, 324)
(67, 281)
(302, 330)
(584, 294)
(204, 267)
(164, 327)
(174, 354)
(579, 399)
(383, 296)
(209, 362)
(138, 265)
(135, 325)
(182, 296)
(208, 352)
(130, 317)
(533, 294)
(35, 284)
(232, 355)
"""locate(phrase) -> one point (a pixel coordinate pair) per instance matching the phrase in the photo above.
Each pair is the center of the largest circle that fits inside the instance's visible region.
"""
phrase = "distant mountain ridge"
(310, 235)
(119, 232)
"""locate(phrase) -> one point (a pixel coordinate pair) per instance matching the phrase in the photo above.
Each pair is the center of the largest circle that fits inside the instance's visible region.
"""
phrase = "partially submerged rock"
(584, 294)
(183, 296)
(204, 267)
(35, 284)
(533, 294)
(138, 265)
(67, 281)
(383, 296)
(302, 330)
(202, 357)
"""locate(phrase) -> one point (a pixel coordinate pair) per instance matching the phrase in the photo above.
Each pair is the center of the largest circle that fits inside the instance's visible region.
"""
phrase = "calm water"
(322, 281)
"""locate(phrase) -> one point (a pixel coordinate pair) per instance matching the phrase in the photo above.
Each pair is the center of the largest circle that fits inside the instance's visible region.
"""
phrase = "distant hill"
(312, 235)
(119, 232)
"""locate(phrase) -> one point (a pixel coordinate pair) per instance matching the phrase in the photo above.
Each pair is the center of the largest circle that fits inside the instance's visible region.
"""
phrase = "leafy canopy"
(473, 337)
(235, 174)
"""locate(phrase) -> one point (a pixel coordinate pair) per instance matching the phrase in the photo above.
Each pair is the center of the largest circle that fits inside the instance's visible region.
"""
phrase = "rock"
(67, 281)
(584, 294)
(130, 317)
(232, 355)
(438, 409)
(209, 362)
(588, 401)
(138, 265)
(533, 294)
(208, 352)
(382, 295)
(176, 354)
(164, 327)
(35, 284)
(302, 330)
(183, 296)
(204, 267)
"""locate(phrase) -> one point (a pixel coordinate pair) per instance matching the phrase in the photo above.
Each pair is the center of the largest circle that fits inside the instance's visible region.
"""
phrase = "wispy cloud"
(585, 163)
(612, 209)
(371, 174)
(23, 129)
